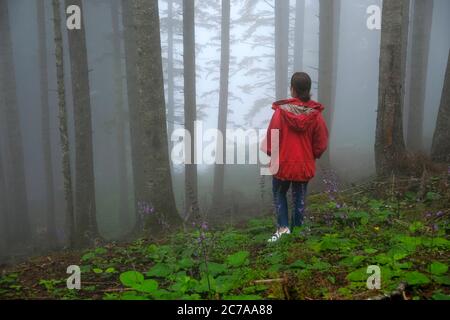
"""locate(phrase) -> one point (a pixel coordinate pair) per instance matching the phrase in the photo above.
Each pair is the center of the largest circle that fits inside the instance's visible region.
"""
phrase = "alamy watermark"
(73, 21)
(373, 20)
(243, 147)
(74, 281)
(374, 280)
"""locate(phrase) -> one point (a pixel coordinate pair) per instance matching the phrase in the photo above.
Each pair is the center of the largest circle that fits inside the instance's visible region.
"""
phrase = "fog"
(251, 94)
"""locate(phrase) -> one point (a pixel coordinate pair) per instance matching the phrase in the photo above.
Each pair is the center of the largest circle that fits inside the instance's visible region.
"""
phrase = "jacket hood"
(298, 114)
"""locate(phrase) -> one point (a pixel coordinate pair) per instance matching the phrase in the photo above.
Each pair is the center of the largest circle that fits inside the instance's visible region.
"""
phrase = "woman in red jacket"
(303, 138)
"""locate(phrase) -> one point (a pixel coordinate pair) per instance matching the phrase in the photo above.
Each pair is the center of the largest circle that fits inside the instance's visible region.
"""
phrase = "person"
(302, 139)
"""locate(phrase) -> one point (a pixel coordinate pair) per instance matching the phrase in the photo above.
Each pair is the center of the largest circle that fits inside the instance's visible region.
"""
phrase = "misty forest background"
(86, 116)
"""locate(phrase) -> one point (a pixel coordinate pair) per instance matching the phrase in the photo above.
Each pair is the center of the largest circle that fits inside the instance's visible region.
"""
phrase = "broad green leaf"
(416, 278)
(186, 263)
(382, 258)
(440, 296)
(97, 270)
(445, 280)
(88, 256)
(224, 284)
(214, 268)
(352, 261)
(238, 259)
(131, 278)
(160, 270)
(436, 242)
(148, 286)
(358, 275)
(110, 270)
(438, 268)
(398, 253)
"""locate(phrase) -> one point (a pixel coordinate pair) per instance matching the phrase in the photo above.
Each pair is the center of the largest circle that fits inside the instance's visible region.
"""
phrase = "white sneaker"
(278, 235)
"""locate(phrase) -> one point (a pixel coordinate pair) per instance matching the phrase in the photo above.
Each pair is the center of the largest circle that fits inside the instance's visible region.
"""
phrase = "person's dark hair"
(301, 84)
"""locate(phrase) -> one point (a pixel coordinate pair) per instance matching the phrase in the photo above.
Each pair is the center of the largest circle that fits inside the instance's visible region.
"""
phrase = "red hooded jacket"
(303, 138)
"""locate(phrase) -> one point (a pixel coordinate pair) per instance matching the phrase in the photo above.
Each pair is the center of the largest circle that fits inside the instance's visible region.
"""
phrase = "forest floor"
(401, 226)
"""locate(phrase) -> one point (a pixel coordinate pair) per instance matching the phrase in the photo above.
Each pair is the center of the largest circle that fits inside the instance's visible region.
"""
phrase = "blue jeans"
(280, 189)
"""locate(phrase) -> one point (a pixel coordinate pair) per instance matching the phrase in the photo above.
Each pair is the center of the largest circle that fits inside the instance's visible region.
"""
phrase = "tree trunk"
(389, 144)
(119, 100)
(190, 106)
(158, 190)
(3, 212)
(85, 208)
(423, 14)
(440, 150)
(328, 62)
(170, 73)
(299, 35)
(15, 172)
(219, 169)
(281, 48)
(63, 126)
(132, 91)
(45, 118)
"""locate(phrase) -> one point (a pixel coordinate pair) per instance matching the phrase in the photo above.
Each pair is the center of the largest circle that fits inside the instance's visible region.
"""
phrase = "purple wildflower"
(145, 209)
(331, 186)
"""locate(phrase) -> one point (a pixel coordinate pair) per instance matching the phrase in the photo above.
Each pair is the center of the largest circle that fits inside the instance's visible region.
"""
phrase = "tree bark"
(440, 150)
(219, 168)
(45, 119)
(281, 48)
(299, 35)
(423, 14)
(15, 172)
(158, 190)
(170, 72)
(85, 207)
(190, 106)
(119, 101)
(132, 95)
(3, 212)
(328, 62)
(389, 144)
(63, 126)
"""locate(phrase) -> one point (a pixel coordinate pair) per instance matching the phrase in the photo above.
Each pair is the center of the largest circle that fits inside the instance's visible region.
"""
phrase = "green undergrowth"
(327, 258)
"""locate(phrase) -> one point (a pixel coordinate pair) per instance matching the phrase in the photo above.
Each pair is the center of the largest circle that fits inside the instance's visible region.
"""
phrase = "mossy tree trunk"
(219, 169)
(440, 150)
(45, 120)
(120, 118)
(63, 126)
(130, 45)
(281, 48)
(85, 206)
(390, 148)
(19, 223)
(329, 16)
(190, 107)
(422, 20)
(153, 146)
